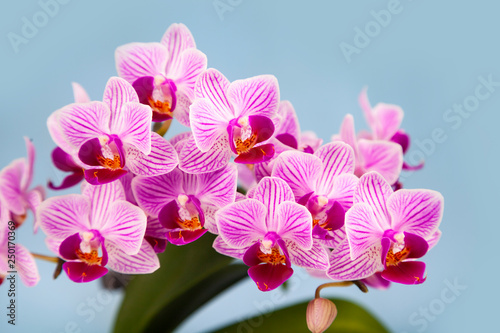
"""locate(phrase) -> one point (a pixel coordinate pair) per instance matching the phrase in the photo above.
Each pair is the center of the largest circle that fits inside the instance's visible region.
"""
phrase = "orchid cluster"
(276, 197)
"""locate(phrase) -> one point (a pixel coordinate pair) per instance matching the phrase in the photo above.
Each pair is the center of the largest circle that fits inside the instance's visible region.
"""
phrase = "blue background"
(426, 59)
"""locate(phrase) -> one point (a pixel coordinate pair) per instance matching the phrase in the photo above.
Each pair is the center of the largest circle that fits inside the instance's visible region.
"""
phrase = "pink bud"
(320, 314)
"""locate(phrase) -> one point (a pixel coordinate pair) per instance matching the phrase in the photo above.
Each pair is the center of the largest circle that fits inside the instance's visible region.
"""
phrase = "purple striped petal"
(374, 191)
(155, 229)
(383, 157)
(77, 123)
(416, 211)
(63, 216)
(289, 123)
(294, 223)
(79, 94)
(10, 183)
(26, 266)
(223, 248)
(337, 158)
(207, 123)
(192, 63)
(317, 257)
(272, 192)
(388, 119)
(125, 226)
(343, 190)
(362, 229)
(136, 60)
(433, 239)
(176, 39)
(181, 112)
(241, 223)
(152, 193)
(218, 188)
(407, 272)
(133, 126)
(143, 262)
(162, 159)
(56, 133)
(348, 135)
(193, 160)
(213, 85)
(209, 211)
(258, 95)
(102, 197)
(343, 268)
(117, 93)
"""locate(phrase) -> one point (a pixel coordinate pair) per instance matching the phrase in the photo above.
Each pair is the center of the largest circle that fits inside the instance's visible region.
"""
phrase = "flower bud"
(320, 314)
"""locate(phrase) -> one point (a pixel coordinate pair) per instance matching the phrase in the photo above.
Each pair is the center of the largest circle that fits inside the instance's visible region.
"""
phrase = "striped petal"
(337, 158)
(348, 135)
(317, 257)
(176, 39)
(102, 197)
(223, 248)
(193, 160)
(416, 211)
(362, 230)
(144, 262)
(192, 63)
(343, 268)
(117, 93)
(383, 157)
(219, 187)
(289, 123)
(26, 266)
(295, 224)
(136, 60)
(242, 223)
(388, 119)
(10, 185)
(374, 190)
(207, 123)
(213, 85)
(343, 190)
(258, 95)
(133, 126)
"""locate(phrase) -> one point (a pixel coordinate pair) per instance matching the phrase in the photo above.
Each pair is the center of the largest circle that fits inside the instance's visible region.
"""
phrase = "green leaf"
(189, 276)
(351, 318)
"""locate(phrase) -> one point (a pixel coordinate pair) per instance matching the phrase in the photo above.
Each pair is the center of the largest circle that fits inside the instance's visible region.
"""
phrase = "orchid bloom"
(324, 183)
(386, 232)
(384, 157)
(112, 137)
(164, 74)
(270, 231)
(97, 228)
(385, 121)
(230, 118)
(184, 203)
(15, 182)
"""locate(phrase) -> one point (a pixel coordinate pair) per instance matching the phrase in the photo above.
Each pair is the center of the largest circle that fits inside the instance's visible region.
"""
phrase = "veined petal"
(56, 133)
(382, 156)
(362, 229)
(258, 95)
(317, 257)
(133, 126)
(343, 268)
(272, 191)
(63, 216)
(241, 223)
(343, 190)
(34, 198)
(337, 159)
(193, 160)
(294, 224)
(81, 122)
(181, 112)
(176, 39)
(433, 239)
(223, 248)
(367, 109)
(213, 85)
(144, 262)
(126, 228)
(219, 187)
(152, 193)
(102, 197)
(374, 190)
(26, 266)
(10, 184)
(207, 123)
(416, 211)
(79, 94)
(155, 229)
(348, 135)
(388, 119)
(289, 123)
(162, 158)
(299, 170)
(136, 60)
(193, 62)
(117, 93)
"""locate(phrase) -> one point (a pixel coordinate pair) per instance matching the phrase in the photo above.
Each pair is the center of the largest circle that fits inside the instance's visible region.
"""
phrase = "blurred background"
(440, 61)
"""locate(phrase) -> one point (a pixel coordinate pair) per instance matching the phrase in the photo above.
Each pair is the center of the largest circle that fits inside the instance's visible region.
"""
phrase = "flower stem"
(357, 283)
(162, 128)
(46, 258)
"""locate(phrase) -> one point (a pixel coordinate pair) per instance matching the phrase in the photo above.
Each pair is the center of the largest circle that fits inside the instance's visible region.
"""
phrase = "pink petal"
(433, 239)
(133, 126)
(317, 257)
(162, 158)
(289, 122)
(388, 120)
(383, 157)
(192, 63)
(155, 229)
(193, 160)
(143, 262)
(209, 211)
(406, 272)
(79, 93)
(348, 135)
(343, 190)
(367, 109)
(374, 190)
(207, 123)
(299, 170)
(337, 158)
(10, 184)
(258, 95)
(343, 268)
(176, 39)
(26, 266)
(181, 112)
(117, 93)
(363, 232)
(416, 211)
(30, 162)
(102, 197)
(63, 216)
(272, 191)
(34, 198)
(294, 224)
(241, 223)
(125, 227)
(213, 85)
(223, 248)
(219, 187)
(136, 60)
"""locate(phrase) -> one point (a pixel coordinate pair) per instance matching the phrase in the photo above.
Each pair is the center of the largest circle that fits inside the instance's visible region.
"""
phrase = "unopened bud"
(320, 314)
